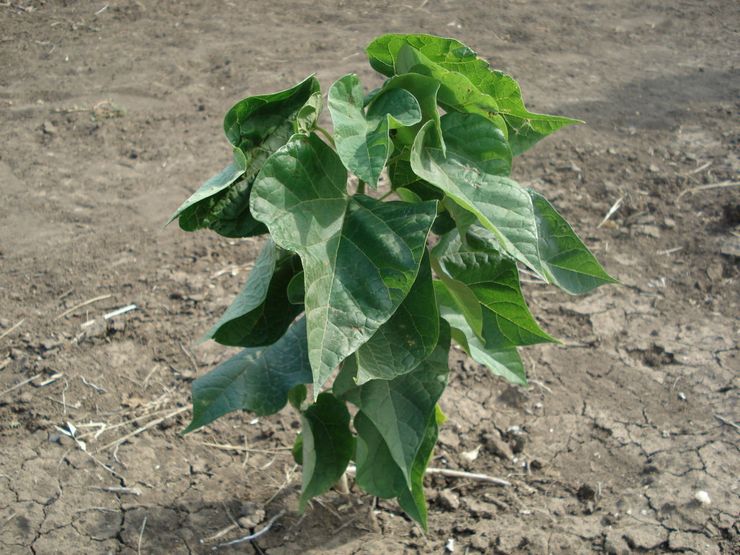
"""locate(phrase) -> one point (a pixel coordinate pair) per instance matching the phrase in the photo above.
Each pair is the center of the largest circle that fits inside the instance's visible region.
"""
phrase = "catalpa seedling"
(373, 285)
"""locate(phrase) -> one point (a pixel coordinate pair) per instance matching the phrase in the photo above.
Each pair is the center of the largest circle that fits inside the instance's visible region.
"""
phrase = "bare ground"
(110, 115)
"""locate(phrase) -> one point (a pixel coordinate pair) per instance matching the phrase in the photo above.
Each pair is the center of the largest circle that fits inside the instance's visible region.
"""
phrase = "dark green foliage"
(384, 285)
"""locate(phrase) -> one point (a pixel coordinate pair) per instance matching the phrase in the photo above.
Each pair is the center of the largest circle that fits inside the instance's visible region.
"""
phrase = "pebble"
(702, 497)
(253, 520)
(497, 446)
(448, 500)
(48, 128)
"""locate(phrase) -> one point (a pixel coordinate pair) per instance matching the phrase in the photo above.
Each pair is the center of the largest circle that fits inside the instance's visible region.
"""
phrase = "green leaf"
(470, 174)
(494, 280)
(296, 291)
(456, 92)
(360, 256)
(407, 195)
(492, 88)
(308, 116)
(256, 380)
(363, 140)
(400, 408)
(568, 263)
(502, 361)
(464, 300)
(424, 90)
(327, 445)
(407, 338)
(413, 501)
(297, 396)
(297, 450)
(256, 126)
(262, 311)
(379, 475)
(251, 121)
(377, 472)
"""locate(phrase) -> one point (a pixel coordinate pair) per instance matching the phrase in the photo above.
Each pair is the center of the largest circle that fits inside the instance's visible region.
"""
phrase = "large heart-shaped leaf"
(400, 408)
(502, 361)
(568, 263)
(360, 256)
(448, 60)
(262, 311)
(472, 174)
(327, 445)
(494, 280)
(407, 338)
(256, 127)
(257, 380)
(363, 140)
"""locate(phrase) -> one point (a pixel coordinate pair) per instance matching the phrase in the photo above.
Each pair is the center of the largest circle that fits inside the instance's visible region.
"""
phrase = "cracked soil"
(111, 115)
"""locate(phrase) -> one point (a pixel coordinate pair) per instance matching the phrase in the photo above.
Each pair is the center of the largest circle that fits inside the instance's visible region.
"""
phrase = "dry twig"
(9, 330)
(84, 303)
(727, 422)
(16, 386)
(611, 211)
(258, 534)
(720, 185)
(144, 428)
(141, 532)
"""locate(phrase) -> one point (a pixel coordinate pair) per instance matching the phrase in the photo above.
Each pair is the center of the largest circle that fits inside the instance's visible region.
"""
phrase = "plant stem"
(326, 135)
(343, 485)
(386, 195)
(360, 187)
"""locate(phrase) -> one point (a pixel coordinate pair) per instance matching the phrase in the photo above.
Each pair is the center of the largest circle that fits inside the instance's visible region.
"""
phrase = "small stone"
(25, 398)
(96, 329)
(478, 509)
(48, 128)
(715, 272)
(730, 246)
(450, 545)
(50, 344)
(448, 500)
(253, 520)
(703, 497)
(681, 396)
(649, 231)
(652, 168)
(497, 446)
(472, 454)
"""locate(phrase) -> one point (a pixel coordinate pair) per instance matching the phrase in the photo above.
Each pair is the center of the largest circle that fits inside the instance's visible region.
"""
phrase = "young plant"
(371, 283)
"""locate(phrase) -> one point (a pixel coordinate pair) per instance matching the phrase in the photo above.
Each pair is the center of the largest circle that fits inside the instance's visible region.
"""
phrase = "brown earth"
(110, 116)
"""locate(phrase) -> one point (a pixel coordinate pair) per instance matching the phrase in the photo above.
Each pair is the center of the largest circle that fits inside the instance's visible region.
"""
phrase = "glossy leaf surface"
(360, 256)
(256, 127)
(363, 139)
